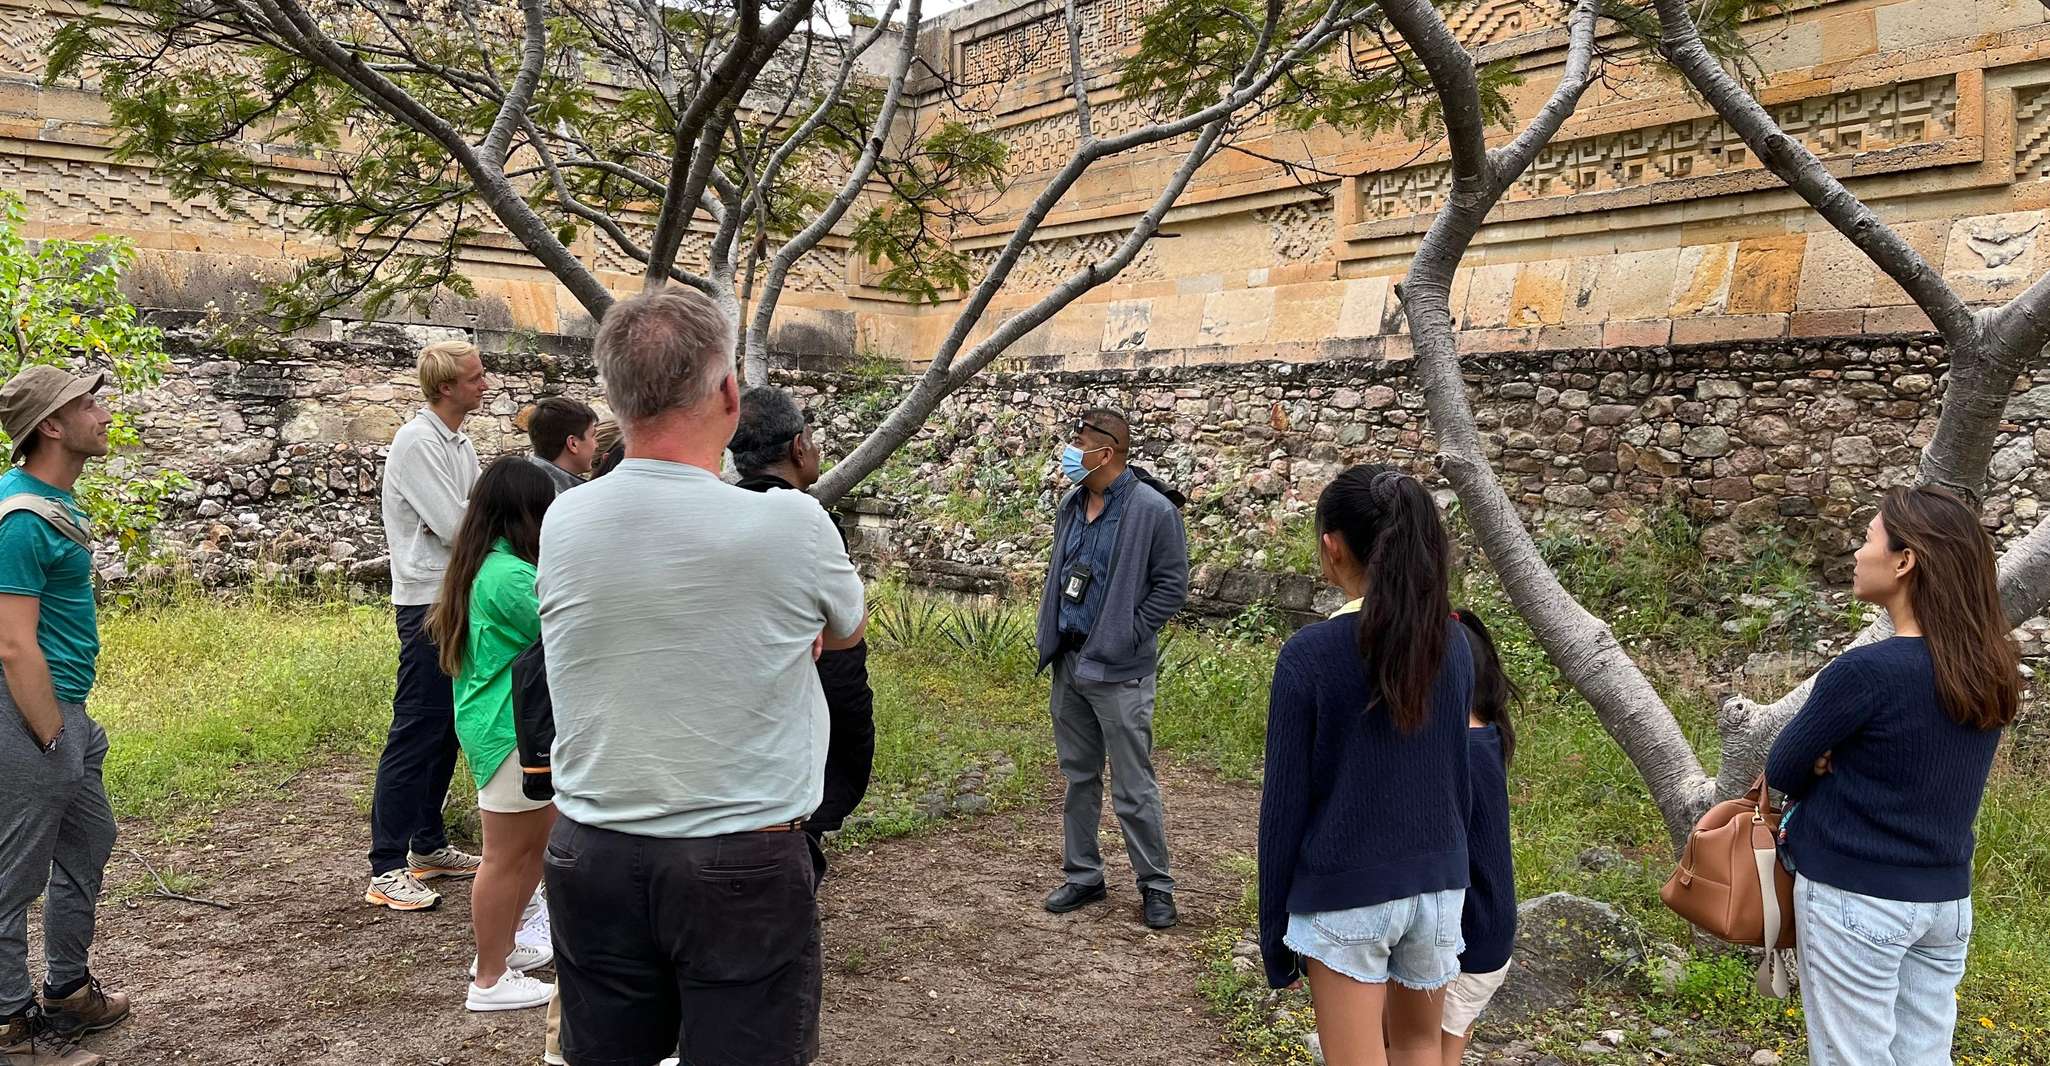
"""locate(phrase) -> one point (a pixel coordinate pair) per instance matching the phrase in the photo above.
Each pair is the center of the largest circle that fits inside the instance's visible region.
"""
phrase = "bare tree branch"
(756, 346)
(512, 112)
(302, 35)
(1257, 75)
(1580, 645)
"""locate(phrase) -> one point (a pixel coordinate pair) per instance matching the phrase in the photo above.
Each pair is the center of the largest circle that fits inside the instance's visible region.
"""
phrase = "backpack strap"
(51, 511)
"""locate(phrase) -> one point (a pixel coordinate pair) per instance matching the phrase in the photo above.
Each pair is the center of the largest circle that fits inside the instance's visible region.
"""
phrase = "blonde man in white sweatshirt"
(427, 479)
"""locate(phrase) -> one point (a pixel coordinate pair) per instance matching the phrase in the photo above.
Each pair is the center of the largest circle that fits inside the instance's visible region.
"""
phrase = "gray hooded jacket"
(1148, 582)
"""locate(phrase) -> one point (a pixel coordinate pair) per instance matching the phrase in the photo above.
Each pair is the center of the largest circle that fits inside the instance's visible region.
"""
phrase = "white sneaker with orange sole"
(401, 891)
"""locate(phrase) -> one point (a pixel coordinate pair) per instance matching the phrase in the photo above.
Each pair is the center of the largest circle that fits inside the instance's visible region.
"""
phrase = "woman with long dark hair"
(487, 615)
(1363, 860)
(1884, 768)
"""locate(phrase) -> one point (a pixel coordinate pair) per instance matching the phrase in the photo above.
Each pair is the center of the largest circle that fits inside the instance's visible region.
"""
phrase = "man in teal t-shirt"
(56, 827)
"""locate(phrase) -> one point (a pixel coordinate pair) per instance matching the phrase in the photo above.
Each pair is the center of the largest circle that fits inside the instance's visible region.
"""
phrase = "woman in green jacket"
(487, 615)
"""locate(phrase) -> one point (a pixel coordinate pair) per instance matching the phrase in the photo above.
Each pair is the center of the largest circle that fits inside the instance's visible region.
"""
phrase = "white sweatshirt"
(427, 480)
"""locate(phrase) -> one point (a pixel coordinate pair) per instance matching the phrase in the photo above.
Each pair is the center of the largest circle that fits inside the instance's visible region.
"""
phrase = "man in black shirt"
(772, 449)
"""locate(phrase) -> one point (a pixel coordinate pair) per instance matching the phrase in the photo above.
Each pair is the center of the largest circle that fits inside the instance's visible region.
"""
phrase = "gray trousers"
(1092, 719)
(56, 833)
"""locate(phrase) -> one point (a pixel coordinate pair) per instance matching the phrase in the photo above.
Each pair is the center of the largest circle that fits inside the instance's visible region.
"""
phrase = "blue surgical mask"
(1071, 464)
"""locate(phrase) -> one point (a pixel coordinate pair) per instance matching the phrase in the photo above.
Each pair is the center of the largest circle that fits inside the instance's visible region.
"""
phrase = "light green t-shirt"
(679, 613)
(36, 560)
(505, 620)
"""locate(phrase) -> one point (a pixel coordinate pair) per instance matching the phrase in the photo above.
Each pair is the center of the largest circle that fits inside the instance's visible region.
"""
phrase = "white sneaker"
(444, 861)
(514, 991)
(400, 891)
(523, 958)
(535, 932)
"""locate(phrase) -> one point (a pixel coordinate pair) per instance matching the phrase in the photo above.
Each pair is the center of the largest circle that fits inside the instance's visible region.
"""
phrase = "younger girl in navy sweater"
(1363, 851)
(1489, 921)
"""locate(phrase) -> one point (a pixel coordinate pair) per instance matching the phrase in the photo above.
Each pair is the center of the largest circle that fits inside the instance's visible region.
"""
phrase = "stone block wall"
(1647, 223)
(1796, 439)
(286, 448)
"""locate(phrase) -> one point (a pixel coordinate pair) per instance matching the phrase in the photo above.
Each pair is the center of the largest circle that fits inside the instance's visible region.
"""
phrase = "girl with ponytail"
(1363, 815)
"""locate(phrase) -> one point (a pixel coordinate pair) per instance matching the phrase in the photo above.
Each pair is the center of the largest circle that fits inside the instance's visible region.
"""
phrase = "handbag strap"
(1772, 970)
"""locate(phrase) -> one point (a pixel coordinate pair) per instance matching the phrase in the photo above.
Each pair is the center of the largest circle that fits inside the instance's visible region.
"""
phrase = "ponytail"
(1390, 524)
(1493, 689)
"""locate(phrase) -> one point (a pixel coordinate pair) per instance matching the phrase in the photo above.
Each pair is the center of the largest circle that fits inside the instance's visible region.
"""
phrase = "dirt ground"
(937, 948)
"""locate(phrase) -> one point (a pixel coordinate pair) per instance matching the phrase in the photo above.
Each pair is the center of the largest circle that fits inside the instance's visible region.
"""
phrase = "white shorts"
(1467, 996)
(502, 795)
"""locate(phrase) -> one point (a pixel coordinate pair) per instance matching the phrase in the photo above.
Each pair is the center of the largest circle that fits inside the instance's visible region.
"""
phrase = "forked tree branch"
(1254, 78)
(1580, 645)
(755, 355)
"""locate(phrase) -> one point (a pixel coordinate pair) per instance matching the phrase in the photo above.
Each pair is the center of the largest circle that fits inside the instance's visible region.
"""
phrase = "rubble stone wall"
(1750, 441)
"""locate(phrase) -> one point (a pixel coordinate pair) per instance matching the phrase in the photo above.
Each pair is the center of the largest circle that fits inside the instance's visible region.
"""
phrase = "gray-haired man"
(679, 614)
(1119, 571)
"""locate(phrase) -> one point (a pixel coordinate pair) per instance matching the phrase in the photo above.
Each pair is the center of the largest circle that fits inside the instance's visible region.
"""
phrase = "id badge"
(1076, 584)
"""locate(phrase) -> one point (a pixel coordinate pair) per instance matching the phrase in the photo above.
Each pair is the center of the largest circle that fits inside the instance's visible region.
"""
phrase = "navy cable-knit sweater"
(1893, 817)
(1489, 922)
(1353, 812)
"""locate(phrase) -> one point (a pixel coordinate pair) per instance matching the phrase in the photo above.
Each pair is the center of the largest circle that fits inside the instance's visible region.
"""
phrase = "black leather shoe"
(1070, 896)
(1160, 912)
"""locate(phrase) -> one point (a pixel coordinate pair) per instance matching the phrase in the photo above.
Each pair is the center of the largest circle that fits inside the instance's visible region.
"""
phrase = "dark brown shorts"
(705, 947)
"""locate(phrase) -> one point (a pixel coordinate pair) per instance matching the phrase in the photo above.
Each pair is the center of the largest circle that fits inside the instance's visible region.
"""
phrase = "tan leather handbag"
(1731, 885)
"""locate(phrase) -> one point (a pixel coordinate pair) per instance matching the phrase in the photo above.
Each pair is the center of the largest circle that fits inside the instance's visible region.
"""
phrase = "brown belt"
(781, 827)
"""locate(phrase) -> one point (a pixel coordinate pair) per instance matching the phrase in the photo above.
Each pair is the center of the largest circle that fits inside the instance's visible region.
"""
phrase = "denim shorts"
(1415, 941)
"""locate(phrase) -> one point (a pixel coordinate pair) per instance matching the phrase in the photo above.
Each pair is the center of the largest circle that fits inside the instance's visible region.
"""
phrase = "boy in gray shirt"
(427, 479)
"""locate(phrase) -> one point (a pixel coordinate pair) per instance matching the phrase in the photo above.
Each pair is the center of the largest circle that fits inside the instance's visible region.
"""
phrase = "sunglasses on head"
(1083, 423)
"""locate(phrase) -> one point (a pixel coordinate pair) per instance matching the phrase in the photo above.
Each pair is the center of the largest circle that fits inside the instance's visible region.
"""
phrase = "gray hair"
(769, 420)
(663, 350)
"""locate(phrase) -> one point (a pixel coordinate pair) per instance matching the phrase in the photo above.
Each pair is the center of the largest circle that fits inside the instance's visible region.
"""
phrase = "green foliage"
(908, 622)
(62, 305)
(907, 234)
(211, 699)
(992, 634)
(1192, 52)
(209, 102)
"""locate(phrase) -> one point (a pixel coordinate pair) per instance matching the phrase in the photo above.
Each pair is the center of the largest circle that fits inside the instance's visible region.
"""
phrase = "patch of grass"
(1265, 1026)
(210, 698)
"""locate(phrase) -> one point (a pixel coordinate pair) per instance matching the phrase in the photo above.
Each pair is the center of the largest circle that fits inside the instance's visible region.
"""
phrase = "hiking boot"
(27, 1040)
(514, 991)
(1159, 908)
(88, 1010)
(443, 861)
(400, 891)
(1071, 895)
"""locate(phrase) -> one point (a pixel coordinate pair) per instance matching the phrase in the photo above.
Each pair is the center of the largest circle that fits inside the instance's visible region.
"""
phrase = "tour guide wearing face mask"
(1119, 571)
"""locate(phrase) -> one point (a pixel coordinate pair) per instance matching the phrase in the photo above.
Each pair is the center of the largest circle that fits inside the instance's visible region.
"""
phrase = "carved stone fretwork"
(1303, 230)
(2032, 133)
(25, 36)
(1040, 46)
(1866, 120)
(1043, 145)
(1493, 21)
(1045, 264)
(120, 197)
